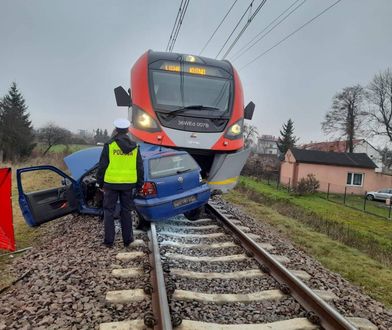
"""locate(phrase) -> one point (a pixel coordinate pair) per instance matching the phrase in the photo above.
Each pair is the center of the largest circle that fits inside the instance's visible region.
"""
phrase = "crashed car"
(172, 185)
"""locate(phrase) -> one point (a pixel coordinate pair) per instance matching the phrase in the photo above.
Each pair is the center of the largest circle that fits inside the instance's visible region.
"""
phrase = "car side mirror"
(248, 111)
(123, 98)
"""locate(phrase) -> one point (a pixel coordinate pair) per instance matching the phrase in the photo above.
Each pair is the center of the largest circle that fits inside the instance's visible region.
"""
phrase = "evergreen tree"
(106, 136)
(287, 139)
(16, 131)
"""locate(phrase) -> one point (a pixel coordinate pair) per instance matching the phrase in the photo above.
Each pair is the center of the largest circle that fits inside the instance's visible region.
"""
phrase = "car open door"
(43, 205)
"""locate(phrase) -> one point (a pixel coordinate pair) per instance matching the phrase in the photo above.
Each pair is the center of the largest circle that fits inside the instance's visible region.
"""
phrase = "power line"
(291, 34)
(177, 24)
(217, 28)
(235, 28)
(180, 20)
(244, 28)
(242, 51)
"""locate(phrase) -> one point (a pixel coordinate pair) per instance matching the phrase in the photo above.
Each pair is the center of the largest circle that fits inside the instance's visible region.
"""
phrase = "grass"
(369, 234)
(357, 201)
(62, 148)
(24, 235)
(357, 267)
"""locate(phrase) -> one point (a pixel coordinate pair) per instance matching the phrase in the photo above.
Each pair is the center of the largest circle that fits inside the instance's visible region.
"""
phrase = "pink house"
(353, 172)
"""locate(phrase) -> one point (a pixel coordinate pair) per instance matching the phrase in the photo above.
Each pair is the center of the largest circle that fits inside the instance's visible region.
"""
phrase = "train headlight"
(235, 130)
(143, 120)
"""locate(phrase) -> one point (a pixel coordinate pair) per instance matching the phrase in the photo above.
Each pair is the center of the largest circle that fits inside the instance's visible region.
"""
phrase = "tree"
(51, 135)
(386, 158)
(287, 139)
(16, 131)
(346, 116)
(106, 136)
(250, 134)
(101, 136)
(379, 95)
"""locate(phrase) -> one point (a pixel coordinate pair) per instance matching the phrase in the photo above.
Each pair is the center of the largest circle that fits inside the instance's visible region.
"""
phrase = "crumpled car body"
(172, 185)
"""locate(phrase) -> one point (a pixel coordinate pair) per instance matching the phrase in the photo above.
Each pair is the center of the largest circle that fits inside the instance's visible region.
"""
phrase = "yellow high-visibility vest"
(122, 167)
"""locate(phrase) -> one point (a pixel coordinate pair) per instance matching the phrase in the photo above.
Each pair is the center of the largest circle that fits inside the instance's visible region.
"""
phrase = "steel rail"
(160, 304)
(319, 312)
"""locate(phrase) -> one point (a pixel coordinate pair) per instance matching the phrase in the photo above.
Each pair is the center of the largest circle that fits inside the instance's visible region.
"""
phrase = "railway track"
(213, 273)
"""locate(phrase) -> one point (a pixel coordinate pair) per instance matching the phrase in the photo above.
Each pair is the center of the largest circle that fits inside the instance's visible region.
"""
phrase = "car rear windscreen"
(171, 165)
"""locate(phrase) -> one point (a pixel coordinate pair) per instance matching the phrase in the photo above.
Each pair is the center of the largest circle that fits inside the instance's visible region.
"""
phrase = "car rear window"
(171, 165)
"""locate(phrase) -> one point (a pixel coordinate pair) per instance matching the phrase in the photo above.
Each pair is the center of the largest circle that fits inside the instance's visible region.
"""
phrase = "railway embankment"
(349, 242)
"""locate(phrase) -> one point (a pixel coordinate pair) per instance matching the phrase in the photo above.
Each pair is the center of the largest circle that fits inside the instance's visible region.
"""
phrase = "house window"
(354, 179)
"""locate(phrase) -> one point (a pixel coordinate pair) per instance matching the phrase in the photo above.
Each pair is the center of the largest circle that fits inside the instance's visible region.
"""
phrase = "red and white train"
(190, 103)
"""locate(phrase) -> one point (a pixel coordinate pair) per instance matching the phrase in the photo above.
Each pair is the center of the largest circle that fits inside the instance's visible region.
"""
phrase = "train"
(190, 103)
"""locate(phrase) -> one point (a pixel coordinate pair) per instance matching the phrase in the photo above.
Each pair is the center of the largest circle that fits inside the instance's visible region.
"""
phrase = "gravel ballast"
(237, 313)
(246, 285)
(70, 273)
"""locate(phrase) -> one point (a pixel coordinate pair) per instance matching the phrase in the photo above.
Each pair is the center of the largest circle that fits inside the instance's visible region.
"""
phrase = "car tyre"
(138, 221)
(370, 197)
(194, 214)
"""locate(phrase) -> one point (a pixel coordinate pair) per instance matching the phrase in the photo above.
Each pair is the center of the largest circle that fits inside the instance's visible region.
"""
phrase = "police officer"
(120, 171)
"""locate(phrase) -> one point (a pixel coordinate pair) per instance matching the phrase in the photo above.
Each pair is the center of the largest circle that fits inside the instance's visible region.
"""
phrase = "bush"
(308, 185)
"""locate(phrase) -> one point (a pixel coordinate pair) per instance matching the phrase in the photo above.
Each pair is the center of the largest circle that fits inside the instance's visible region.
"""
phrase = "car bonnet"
(82, 161)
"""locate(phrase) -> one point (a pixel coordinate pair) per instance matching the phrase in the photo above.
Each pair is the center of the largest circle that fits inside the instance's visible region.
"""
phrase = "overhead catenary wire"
(235, 28)
(291, 34)
(174, 26)
(244, 28)
(217, 28)
(252, 42)
(177, 24)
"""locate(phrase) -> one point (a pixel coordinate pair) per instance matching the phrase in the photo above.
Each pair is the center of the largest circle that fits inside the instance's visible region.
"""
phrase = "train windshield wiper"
(194, 107)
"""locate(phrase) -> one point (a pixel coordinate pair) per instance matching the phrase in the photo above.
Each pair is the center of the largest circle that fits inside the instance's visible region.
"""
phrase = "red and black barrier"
(7, 239)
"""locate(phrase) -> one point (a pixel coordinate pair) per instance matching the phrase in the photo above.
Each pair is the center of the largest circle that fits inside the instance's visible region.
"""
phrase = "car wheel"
(370, 197)
(194, 214)
(138, 221)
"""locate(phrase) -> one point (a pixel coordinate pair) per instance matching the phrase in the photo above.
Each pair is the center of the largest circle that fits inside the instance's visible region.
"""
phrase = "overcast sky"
(67, 56)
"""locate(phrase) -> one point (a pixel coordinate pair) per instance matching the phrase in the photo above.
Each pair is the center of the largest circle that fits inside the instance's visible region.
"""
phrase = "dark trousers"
(110, 198)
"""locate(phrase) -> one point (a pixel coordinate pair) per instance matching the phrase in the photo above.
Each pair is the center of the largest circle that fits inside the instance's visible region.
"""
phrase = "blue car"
(172, 185)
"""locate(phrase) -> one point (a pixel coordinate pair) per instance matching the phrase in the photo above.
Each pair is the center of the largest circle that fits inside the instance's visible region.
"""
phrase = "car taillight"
(148, 189)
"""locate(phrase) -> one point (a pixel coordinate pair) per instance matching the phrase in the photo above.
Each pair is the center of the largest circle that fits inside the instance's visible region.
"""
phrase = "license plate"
(184, 201)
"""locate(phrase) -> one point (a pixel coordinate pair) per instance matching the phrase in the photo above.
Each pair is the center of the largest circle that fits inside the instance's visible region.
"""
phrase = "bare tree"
(346, 116)
(51, 135)
(250, 134)
(386, 158)
(379, 95)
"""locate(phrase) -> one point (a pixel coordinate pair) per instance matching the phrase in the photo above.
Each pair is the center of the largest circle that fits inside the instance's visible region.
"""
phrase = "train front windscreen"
(182, 91)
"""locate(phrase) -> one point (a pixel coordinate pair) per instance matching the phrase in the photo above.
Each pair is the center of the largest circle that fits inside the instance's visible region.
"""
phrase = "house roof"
(333, 158)
(336, 146)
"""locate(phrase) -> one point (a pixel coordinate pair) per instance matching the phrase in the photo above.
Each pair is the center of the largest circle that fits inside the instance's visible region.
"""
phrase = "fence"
(357, 198)
(350, 196)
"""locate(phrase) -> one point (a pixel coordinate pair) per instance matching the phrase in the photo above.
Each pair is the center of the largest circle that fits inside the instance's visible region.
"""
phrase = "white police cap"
(121, 123)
